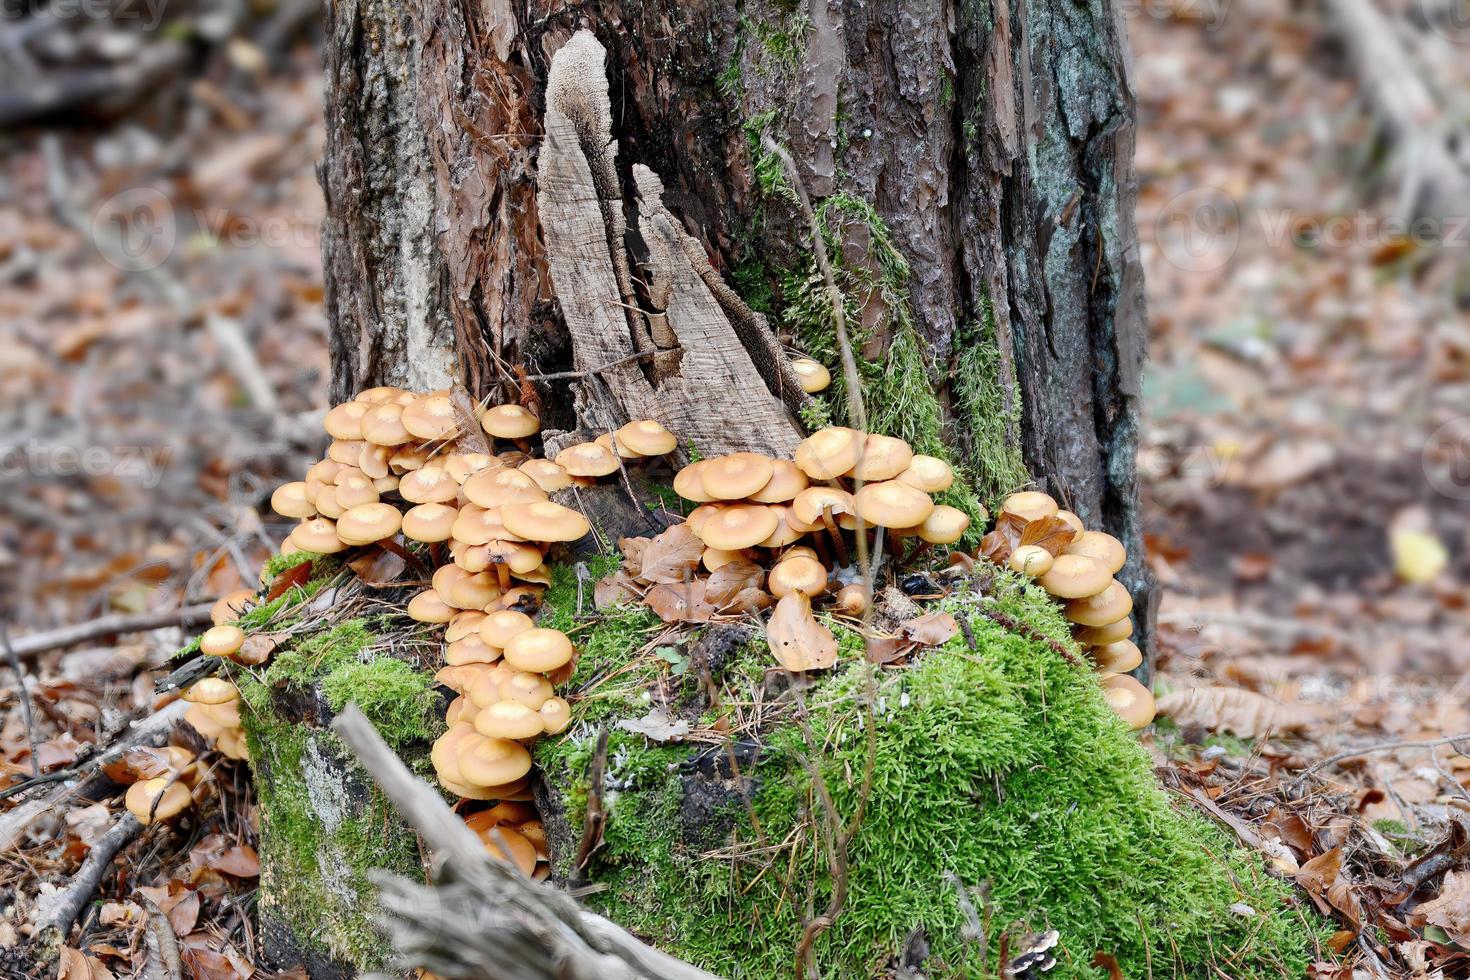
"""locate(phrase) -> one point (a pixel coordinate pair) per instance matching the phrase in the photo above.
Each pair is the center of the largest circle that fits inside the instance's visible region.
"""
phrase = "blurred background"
(1304, 212)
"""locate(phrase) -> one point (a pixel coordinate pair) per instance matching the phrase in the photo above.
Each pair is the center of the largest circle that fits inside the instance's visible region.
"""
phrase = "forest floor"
(1296, 399)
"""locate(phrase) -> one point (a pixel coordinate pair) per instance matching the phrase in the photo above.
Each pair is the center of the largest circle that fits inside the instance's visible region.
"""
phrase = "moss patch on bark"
(998, 767)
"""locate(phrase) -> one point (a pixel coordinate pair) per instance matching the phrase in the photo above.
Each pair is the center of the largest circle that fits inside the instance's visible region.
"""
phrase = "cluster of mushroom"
(749, 501)
(1077, 566)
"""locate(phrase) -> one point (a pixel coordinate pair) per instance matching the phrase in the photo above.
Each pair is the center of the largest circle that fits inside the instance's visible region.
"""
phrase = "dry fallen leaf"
(798, 641)
(1450, 910)
(732, 578)
(682, 603)
(632, 550)
(1239, 712)
(932, 629)
(672, 556)
(616, 589)
(1323, 879)
(76, 965)
(216, 853)
(1051, 533)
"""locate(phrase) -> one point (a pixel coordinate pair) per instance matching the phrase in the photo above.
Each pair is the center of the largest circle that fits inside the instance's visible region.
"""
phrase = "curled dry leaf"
(289, 579)
(672, 556)
(256, 649)
(135, 764)
(796, 639)
(1238, 712)
(1324, 880)
(657, 726)
(1450, 910)
(748, 601)
(617, 589)
(1051, 533)
(632, 549)
(215, 853)
(378, 567)
(732, 578)
(1004, 538)
(931, 630)
(681, 603)
(73, 964)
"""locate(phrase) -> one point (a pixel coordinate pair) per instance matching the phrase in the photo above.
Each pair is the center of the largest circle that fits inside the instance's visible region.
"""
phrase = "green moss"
(396, 698)
(1000, 765)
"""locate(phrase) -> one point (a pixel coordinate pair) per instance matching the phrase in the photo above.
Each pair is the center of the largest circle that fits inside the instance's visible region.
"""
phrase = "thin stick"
(67, 636)
(567, 375)
(25, 697)
(1432, 743)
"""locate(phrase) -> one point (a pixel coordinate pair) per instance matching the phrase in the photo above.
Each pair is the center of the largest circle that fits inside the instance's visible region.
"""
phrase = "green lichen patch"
(997, 767)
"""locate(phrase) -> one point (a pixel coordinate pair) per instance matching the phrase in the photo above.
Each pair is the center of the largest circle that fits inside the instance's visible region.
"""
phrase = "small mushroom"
(829, 453)
(538, 650)
(368, 523)
(507, 845)
(1108, 606)
(714, 559)
(1075, 577)
(556, 715)
(510, 422)
(383, 426)
(738, 526)
(496, 488)
(508, 719)
(787, 480)
(1117, 657)
(428, 607)
(1030, 505)
(1108, 550)
(689, 483)
(799, 574)
(461, 466)
(464, 623)
(927, 473)
(159, 798)
(893, 504)
(549, 476)
(492, 761)
(588, 459)
(736, 476)
(1031, 560)
(1072, 521)
(431, 417)
(290, 500)
(544, 520)
(428, 485)
(647, 437)
(1103, 635)
(1130, 699)
(222, 641)
(529, 689)
(430, 523)
(345, 421)
(883, 458)
(470, 650)
(852, 600)
(211, 690)
(944, 525)
(812, 375)
(228, 607)
(500, 627)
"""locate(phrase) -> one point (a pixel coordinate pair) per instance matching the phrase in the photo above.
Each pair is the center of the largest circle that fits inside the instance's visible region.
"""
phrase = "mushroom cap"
(689, 483)
(492, 761)
(1108, 606)
(736, 476)
(813, 376)
(172, 798)
(738, 526)
(410, 457)
(383, 425)
(430, 417)
(500, 627)
(318, 535)
(290, 500)
(345, 421)
(345, 451)
(382, 393)
(610, 442)
(808, 505)
(354, 491)
(714, 559)
(883, 458)
(211, 690)
(852, 599)
(480, 525)
(1029, 504)
(944, 525)
(549, 476)
(798, 574)
(1075, 577)
(829, 453)
(510, 422)
(787, 480)
(520, 558)
(544, 520)
(464, 623)
(1103, 635)
(367, 523)
(927, 473)
(800, 549)
(647, 437)
(444, 753)
(529, 689)
(373, 460)
(428, 485)
(893, 504)
(508, 719)
(326, 503)
(1117, 657)
(474, 591)
(556, 715)
(386, 484)
(429, 607)
(484, 689)
(538, 650)
(470, 649)
(222, 641)
(429, 522)
(496, 488)
(459, 710)
(506, 844)
(323, 471)
(461, 466)
(1100, 545)
(588, 459)
(700, 514)
(1030, 559)
(228, 607)
(1131, 700)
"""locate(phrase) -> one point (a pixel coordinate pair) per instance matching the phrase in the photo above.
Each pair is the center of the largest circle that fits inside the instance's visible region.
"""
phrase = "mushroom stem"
(503, 570)
(877, 562)
(837, 543)
(823, 552)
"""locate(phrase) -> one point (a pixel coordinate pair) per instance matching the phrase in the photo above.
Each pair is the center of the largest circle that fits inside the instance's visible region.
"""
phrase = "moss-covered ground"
(998, 766)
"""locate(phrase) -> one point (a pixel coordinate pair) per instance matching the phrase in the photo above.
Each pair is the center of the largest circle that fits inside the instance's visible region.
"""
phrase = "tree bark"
(992, 145)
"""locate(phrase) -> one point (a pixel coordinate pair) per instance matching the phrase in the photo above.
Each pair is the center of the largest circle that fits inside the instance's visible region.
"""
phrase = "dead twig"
(1332, 760)
(1031, 633)
(25, 697)
(66, 636)
(570, 375)
(58, 913)
(593, 823)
